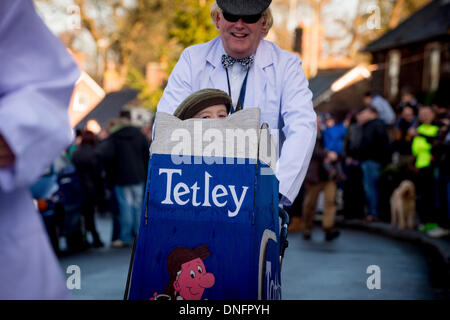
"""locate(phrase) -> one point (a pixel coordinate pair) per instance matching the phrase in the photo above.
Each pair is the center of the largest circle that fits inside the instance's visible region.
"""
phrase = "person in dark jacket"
(373, 154)
(317, 180)
(354, 197)
(406, 121)
(89, 170)
(110, 201)
(126, 153)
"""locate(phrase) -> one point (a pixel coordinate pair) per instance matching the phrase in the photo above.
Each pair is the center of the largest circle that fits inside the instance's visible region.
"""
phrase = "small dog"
(403, 205)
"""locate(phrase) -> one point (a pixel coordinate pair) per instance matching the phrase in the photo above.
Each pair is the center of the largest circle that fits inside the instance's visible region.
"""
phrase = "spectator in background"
(383, 108)
(126, 153)
(373, 154)
(317, 180)
(425, 135)
(354, 197)
(333, 140)
(89, 170)
(37, 79)
(74, 145)
(334, 134)
(111, 204)
(408, 99)
(403, 140)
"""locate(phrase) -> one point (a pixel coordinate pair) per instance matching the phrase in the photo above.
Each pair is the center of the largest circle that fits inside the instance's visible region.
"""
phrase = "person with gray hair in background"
(255, 73)
(384, 109)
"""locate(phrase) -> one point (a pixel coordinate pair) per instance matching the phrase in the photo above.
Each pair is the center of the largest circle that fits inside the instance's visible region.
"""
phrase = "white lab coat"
(276, 84)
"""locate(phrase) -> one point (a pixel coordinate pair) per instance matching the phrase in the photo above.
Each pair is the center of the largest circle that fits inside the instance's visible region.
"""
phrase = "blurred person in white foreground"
(37, 79)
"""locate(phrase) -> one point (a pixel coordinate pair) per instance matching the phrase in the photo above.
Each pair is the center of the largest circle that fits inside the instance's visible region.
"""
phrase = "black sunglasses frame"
(246, 19)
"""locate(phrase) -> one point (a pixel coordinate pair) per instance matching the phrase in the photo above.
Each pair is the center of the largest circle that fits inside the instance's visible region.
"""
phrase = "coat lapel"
(257, 78)
(216, 76)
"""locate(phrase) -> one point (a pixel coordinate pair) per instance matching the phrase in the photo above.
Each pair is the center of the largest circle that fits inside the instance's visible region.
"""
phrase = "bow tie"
(228, 61)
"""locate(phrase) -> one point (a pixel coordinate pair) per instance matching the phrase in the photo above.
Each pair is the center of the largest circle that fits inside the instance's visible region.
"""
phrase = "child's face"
(330, 122)
(218, 111)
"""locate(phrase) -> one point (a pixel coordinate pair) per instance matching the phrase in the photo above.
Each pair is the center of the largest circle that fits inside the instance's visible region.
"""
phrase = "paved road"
(316, 269)
(312, 269)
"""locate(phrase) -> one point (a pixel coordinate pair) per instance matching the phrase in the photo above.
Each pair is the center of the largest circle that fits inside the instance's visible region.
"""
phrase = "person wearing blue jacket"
(334, 134)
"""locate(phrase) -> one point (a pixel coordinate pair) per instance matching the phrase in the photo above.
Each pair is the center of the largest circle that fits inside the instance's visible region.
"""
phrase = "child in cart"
(204, 104)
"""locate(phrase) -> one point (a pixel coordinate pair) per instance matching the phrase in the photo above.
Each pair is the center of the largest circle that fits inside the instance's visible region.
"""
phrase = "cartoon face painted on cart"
(193, 280)
(188, 275)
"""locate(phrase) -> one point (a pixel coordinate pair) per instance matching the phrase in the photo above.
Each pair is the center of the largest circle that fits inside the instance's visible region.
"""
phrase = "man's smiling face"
(240, 39)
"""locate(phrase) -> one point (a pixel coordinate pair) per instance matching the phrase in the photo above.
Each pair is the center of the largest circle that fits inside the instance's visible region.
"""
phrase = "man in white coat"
(255, 73)
(36, 82)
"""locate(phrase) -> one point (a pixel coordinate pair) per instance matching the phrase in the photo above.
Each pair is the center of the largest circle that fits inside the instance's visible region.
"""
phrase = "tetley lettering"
(182, 194)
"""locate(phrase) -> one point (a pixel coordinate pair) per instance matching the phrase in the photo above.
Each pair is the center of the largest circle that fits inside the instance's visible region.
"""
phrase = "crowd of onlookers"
(360, 160)
(111, 167)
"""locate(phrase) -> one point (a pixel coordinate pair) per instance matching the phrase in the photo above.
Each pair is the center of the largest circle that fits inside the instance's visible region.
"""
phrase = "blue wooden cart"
(210, 226)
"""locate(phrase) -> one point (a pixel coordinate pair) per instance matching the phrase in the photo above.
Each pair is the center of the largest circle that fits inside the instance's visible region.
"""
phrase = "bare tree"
(358, 29)
(402, 9)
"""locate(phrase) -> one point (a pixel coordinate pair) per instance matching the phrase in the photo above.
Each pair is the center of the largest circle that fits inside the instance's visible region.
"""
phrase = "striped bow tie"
(228, 61)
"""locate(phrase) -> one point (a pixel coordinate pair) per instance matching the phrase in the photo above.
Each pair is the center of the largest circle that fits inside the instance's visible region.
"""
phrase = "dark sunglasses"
(247, 19)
